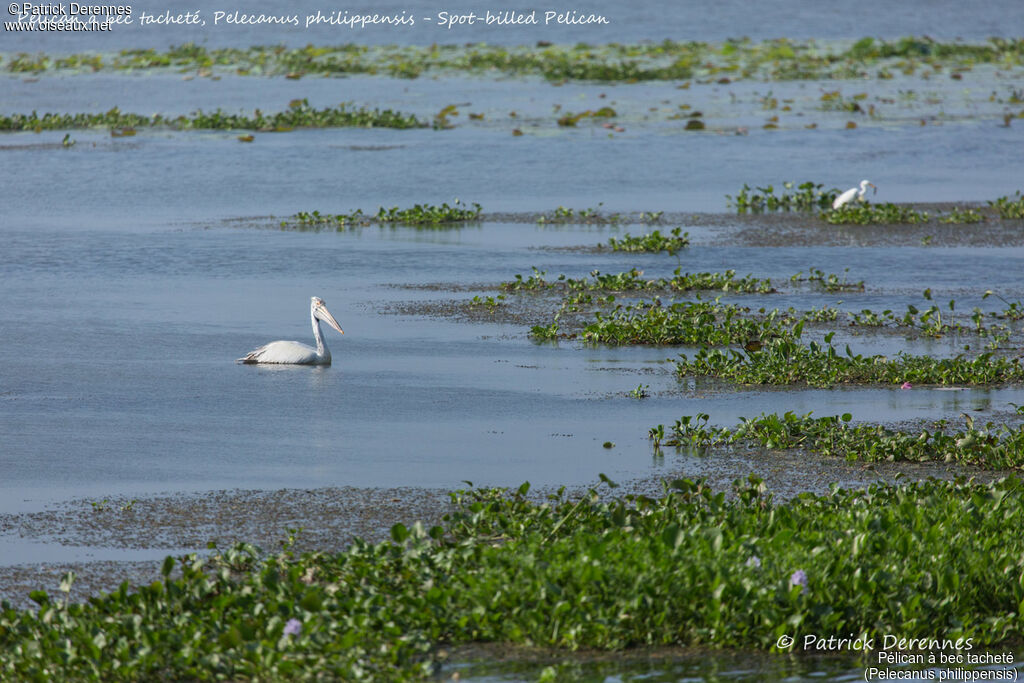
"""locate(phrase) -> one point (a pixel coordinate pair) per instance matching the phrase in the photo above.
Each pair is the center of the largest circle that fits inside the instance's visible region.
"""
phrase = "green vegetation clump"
(563, 215)
(690, 568)
(684, 322)
(992, 446)
(786, 362)
(807, 197)
(298, 115)
(652, 242)
(1009, 207)
(633, 280)
(831, 282)
(420, 214)
(866, 214)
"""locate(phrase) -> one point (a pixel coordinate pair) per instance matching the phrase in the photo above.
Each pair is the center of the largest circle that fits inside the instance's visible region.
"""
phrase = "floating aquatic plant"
(993, 446)
(807, 196)
(786, 361)
(420, 214)
(1009, 207)
(298, 115)
(654, 241)
(673, 570)
(865, 214)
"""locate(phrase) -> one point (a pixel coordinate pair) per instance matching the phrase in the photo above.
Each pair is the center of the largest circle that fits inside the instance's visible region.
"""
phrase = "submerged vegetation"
(690, 568)
(298, 115)
(781, 59)
(993, 446)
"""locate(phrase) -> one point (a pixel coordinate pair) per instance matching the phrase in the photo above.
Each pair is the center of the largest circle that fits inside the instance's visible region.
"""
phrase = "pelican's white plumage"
(847, 197)
(295, 353)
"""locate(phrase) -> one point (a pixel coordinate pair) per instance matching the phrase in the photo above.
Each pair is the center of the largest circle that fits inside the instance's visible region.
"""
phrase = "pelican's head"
(864, 186)
(319, 310)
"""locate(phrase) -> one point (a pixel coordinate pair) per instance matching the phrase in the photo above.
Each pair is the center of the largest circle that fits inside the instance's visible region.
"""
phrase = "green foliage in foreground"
(652, 242)
(298, 115)
(786, 361)
(993, 446)
(420, 214)
(691, 569)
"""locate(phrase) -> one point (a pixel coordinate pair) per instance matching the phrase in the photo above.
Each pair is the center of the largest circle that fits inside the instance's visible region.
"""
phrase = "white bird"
(294, 353)
(847, 197)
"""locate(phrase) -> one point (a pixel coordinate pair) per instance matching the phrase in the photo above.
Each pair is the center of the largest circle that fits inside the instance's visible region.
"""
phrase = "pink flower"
(906, 385)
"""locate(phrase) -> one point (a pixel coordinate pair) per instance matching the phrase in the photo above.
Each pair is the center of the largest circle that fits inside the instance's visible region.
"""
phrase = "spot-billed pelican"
(847, 197)
(294, 353)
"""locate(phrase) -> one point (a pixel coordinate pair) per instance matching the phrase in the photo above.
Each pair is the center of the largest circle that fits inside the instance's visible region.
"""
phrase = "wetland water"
(133, 271)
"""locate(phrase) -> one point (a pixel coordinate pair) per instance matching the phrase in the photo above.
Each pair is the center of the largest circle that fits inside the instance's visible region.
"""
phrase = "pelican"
(294, 353)
(847, 197)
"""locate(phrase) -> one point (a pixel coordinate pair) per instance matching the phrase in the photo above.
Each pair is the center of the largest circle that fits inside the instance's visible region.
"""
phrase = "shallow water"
(120, 346)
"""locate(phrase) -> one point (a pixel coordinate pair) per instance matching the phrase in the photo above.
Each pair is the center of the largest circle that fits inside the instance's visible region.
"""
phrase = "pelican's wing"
(287, 352)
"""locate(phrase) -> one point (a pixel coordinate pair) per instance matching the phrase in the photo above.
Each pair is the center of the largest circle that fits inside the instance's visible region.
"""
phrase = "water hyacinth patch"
(991, 446)
(866, 214)
(1009, 207)
(777, 59)
(298, 115)
(786, 361)
(633, 280)
(595, 572)
(808, 196)
(652, 242)
(420, 214)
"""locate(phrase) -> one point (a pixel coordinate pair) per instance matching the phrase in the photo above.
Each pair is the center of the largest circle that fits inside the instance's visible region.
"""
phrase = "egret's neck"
(321, 347)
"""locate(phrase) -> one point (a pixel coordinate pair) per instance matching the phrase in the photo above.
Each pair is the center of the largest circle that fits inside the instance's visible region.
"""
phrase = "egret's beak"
(874, 186)
(323, 314)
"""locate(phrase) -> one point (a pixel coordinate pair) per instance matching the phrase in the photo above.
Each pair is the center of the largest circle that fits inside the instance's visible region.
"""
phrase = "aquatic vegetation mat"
(787, 362)
(690, 568)
(771, 60)
(298, 115)
(808, 196)
(684, 322)
(420, 214)
(651, 242)
(634, 280)
(992, 446)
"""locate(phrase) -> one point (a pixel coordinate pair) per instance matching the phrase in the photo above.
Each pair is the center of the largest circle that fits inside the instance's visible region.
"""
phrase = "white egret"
(847, 197)
(294, 353)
